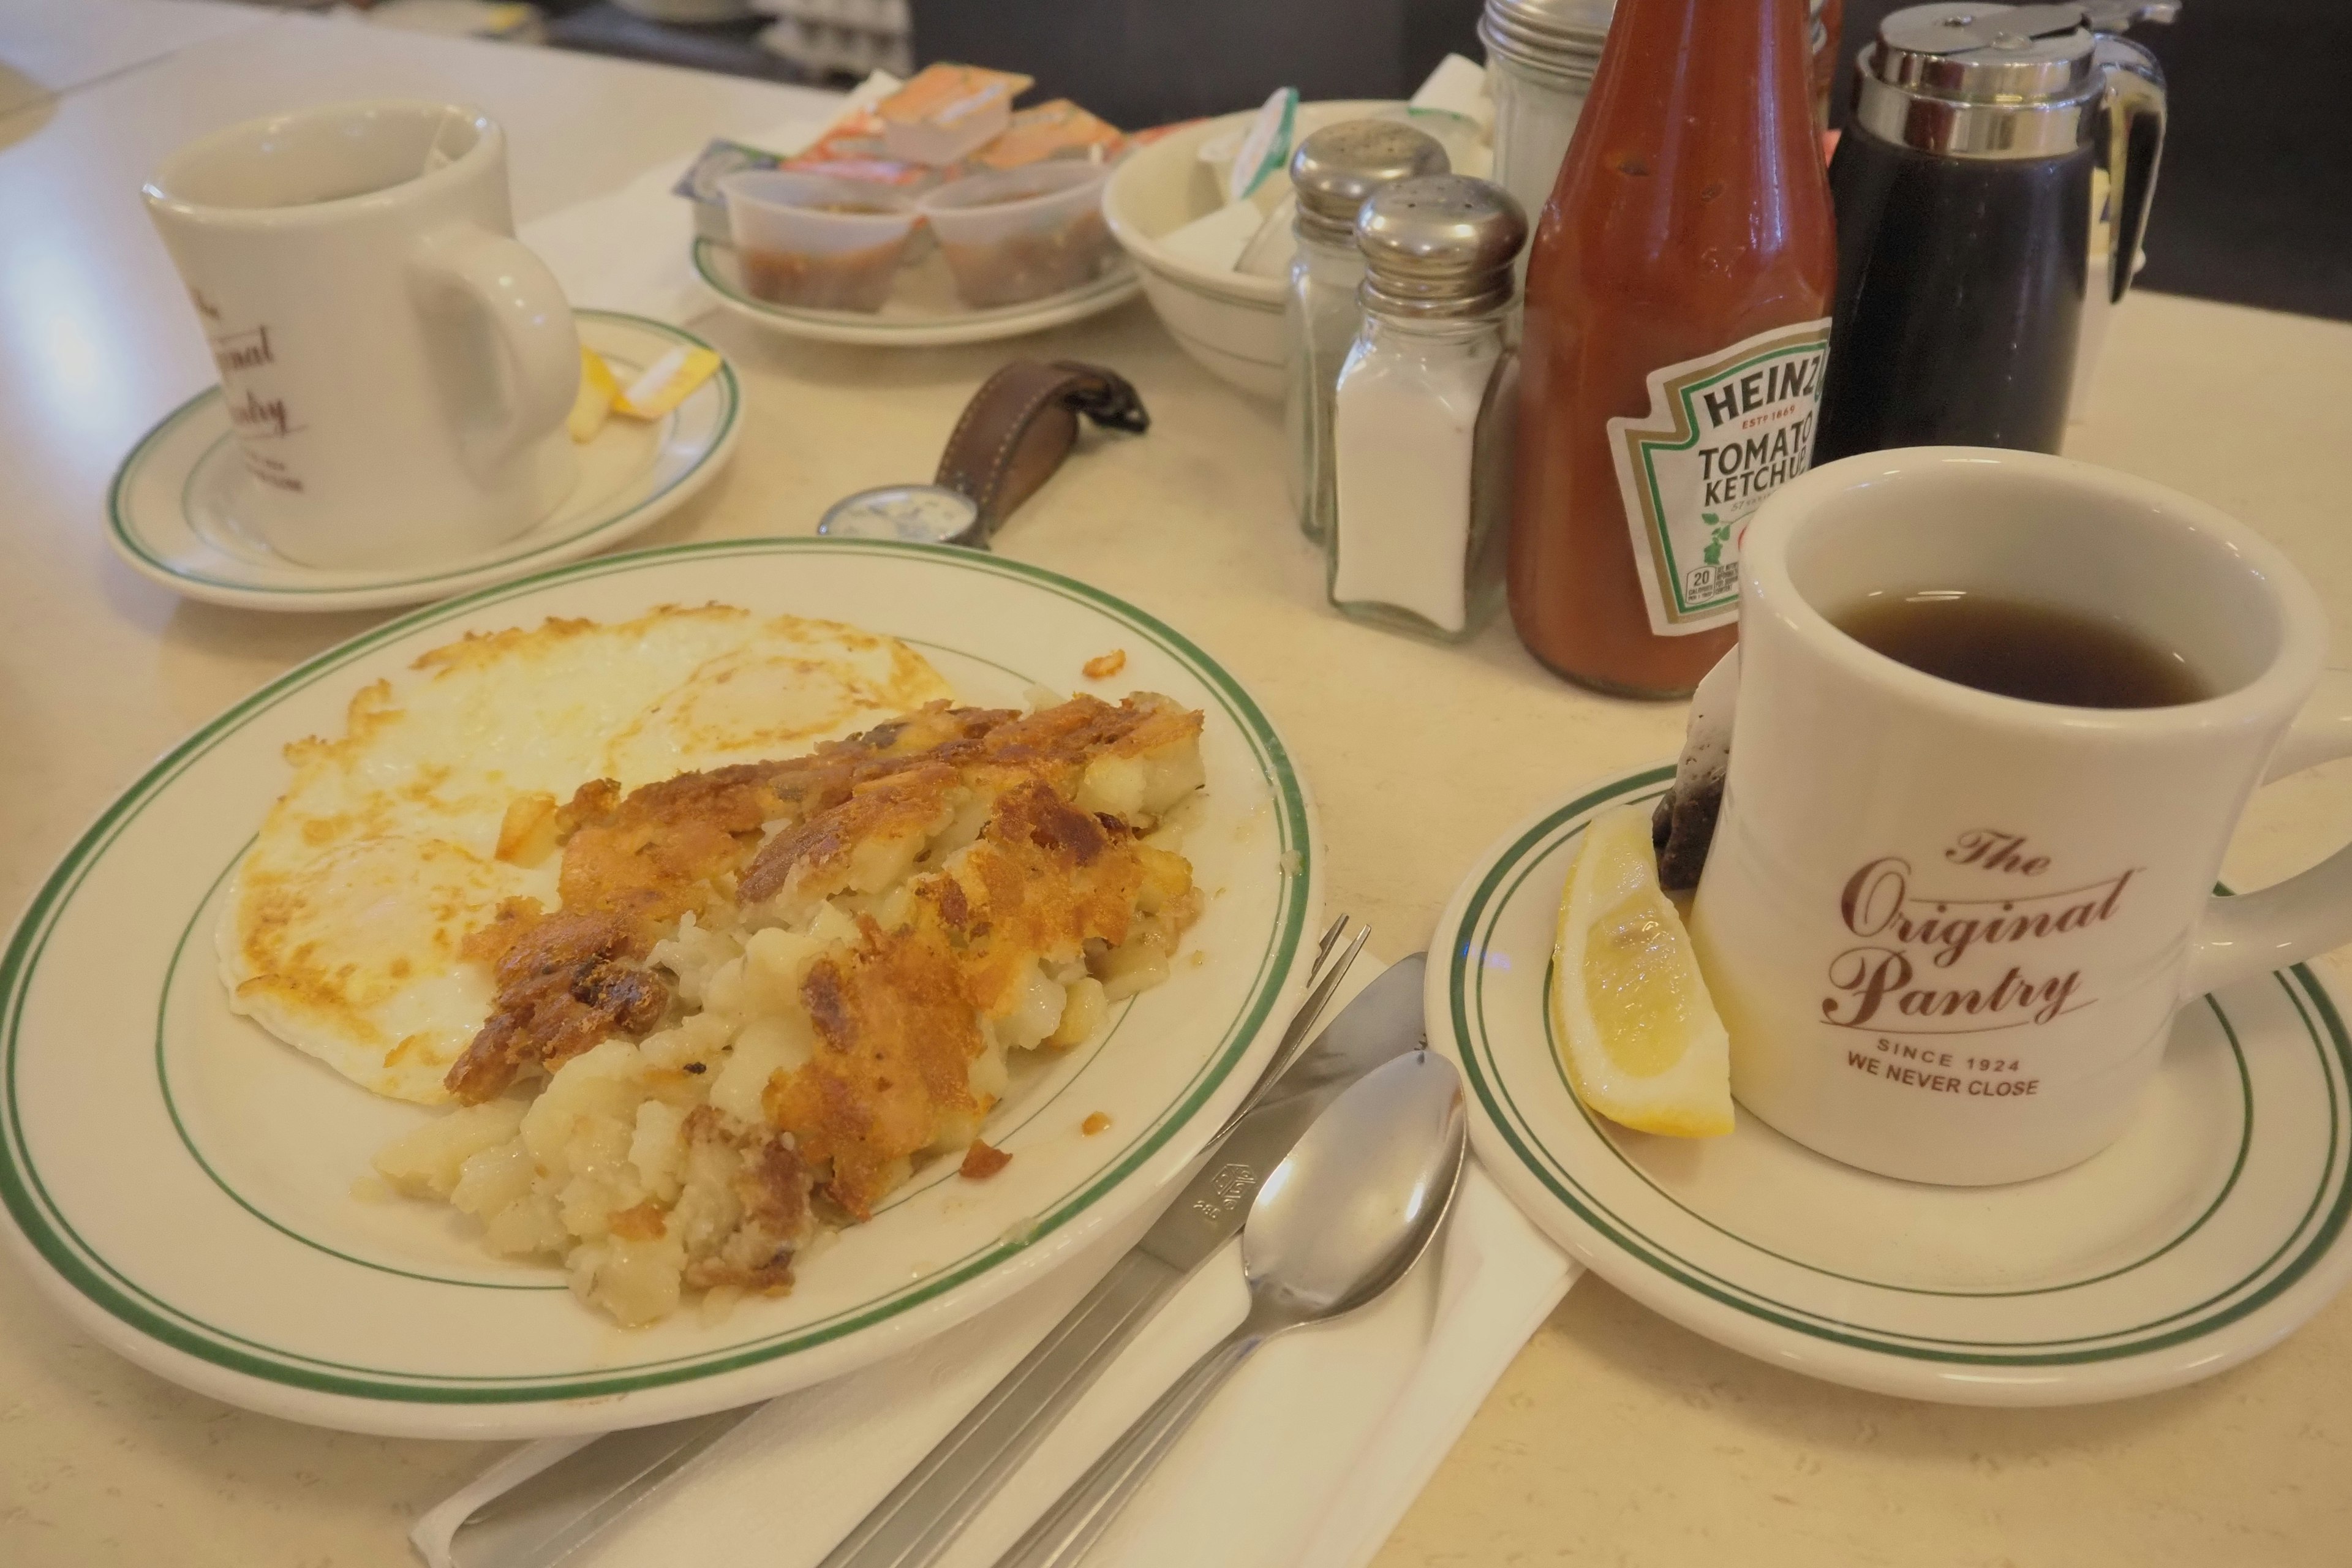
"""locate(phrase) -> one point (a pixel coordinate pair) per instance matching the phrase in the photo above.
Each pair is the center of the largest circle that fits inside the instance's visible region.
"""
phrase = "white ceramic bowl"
(1231, 323)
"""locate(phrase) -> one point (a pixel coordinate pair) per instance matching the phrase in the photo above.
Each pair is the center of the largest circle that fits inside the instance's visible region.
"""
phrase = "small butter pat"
(1269, 251)
(1217, 240)
(666, 380)
(1457, 85)
(592, 404)
(1266, 145)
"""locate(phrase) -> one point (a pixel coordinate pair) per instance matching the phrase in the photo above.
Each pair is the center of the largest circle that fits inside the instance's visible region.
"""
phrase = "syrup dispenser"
(1964, 193)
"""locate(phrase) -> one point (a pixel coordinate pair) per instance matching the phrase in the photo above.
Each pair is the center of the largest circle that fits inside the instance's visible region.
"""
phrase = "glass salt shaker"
(1332, 171)
(1426, 410)
(1540, 56)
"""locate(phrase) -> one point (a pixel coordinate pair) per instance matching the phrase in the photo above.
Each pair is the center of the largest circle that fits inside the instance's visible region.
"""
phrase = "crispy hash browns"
(771, 988)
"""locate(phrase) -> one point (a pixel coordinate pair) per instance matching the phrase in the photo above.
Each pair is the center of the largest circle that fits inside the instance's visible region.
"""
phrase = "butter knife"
(548, 1517)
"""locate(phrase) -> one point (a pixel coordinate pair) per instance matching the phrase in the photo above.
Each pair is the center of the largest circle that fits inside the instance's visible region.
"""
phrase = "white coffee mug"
(397, 366)
(1948, 929)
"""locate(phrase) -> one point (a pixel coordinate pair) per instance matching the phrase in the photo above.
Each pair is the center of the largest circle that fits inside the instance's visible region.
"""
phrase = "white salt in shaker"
(1332, 171)
(1540, 56)
(1425, 408)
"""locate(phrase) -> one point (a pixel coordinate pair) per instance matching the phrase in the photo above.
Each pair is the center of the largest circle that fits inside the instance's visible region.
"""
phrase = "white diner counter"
(1615, 1437)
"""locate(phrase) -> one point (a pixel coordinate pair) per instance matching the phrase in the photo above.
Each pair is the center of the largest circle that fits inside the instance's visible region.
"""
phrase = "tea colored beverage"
(2014, 647)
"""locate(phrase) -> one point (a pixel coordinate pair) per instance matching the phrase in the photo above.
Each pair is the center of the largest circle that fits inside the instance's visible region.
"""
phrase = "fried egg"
(343, 928)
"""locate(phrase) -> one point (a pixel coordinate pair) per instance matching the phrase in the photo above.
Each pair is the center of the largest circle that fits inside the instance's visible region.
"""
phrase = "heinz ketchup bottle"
(1677, 306)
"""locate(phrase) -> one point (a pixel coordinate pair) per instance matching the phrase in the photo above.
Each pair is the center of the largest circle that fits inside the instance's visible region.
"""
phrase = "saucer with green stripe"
(172, 513)
(2210, 1231)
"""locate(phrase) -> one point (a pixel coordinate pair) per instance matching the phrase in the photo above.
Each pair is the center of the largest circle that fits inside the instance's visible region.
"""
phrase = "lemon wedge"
(1636, 1030)
(592, 404)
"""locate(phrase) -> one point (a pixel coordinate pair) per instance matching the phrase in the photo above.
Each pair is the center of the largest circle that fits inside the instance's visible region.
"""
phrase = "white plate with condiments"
(922, 311)
(2211, 1230)
(173, 513)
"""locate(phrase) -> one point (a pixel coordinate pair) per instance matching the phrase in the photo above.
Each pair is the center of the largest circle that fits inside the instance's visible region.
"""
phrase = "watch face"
(927, 514)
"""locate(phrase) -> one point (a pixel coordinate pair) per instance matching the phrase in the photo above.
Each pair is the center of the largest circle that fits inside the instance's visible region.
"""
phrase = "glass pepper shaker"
(1333, 171)
(1426, 409)
(1540, 56)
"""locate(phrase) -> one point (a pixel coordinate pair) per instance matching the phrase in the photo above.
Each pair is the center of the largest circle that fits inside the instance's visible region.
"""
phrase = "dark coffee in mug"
(2014, 647)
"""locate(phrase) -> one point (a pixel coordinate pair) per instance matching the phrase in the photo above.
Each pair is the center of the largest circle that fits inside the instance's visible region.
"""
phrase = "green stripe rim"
(1466, 957)
(49, 1232)
(117, 523)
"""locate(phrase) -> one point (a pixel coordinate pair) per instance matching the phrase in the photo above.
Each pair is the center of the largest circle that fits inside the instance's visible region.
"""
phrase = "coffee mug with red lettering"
(396, 367)
(1948, 929)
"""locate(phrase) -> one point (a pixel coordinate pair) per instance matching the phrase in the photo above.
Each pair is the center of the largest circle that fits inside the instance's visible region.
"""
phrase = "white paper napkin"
(627, 249)
(1309, 1458)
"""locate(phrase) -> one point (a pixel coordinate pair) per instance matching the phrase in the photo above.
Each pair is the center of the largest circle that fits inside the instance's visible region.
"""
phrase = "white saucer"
(922, 311)
(172, 511)
(2212, 1229)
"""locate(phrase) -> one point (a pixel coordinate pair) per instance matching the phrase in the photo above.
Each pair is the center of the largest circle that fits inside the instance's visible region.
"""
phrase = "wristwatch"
(1013, 434)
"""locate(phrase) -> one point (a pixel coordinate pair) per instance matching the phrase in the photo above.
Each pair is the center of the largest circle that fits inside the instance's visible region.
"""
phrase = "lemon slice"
(593, 402)
(1636, 1029)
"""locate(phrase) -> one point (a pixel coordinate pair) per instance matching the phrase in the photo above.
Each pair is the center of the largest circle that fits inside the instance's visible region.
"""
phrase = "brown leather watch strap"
(1022, 423)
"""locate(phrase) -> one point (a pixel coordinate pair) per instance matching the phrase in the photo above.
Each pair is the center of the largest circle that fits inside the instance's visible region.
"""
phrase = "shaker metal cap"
(1439, 245)
(1337, 167)
(1549, 37)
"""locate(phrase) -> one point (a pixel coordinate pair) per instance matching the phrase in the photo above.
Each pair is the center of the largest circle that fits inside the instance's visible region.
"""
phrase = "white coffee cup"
(1948, 929)
(397, 366)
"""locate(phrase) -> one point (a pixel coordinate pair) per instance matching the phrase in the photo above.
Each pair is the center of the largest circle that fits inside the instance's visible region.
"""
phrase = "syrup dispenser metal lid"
(1336, 168)
(1999, 81)
(1439, 246)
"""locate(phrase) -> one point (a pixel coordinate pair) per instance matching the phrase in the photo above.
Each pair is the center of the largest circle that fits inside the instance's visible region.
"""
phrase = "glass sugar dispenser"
(1426, 410)
(1540, 56)
(1332, 171)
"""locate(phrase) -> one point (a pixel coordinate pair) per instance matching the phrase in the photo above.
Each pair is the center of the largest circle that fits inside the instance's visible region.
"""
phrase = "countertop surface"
(1615, 1437)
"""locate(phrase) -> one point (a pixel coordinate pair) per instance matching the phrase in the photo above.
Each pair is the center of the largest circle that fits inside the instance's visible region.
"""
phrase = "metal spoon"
(1341, 1219)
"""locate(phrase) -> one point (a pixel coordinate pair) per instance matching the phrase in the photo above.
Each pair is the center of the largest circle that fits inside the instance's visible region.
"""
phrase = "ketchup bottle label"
(1722, 432)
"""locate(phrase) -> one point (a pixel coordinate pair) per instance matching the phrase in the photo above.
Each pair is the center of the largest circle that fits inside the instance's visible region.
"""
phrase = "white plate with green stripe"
(172, 511)
(2212, 1229)
(922, 312)
(193, 1192)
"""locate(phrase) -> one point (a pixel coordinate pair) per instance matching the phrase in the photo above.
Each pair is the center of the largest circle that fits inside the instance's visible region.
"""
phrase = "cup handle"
(2310, 912)
(527, 309)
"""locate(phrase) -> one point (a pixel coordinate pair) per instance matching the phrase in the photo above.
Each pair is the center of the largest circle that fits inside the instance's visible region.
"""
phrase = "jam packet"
(946, 112)
(1056, 130)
